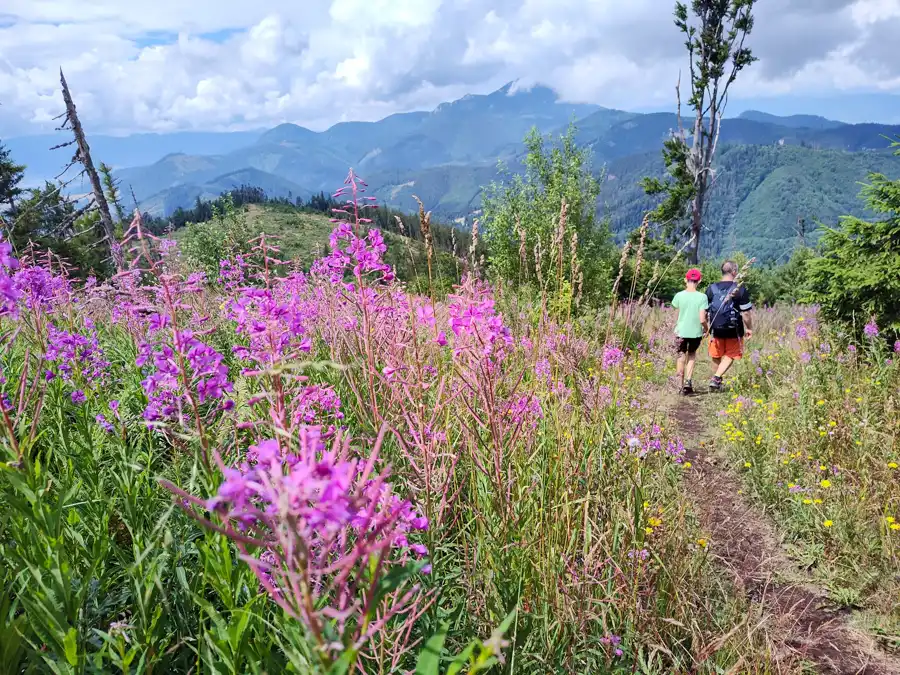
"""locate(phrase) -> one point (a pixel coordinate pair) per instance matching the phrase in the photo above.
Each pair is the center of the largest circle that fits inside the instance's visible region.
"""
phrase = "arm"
(704, 320)
(748, 324)
(745, 306)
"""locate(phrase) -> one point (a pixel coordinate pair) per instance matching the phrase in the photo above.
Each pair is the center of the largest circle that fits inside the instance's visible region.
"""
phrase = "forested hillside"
(758, 195)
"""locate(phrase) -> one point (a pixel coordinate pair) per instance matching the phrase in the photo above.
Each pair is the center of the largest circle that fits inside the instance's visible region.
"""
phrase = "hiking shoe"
(688, 388)
(716, 384)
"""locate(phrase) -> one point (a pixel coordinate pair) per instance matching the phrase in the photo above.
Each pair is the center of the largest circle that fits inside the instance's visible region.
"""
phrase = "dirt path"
(804, 626)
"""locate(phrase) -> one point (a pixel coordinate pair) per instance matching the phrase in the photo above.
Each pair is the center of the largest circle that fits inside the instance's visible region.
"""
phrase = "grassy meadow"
(303, 464)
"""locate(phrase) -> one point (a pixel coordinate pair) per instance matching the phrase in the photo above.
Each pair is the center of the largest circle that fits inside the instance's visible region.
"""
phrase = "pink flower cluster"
(179, 370)
(75, 354)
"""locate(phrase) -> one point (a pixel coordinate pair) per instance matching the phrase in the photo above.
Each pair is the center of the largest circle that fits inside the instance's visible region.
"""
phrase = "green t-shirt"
(689, 304)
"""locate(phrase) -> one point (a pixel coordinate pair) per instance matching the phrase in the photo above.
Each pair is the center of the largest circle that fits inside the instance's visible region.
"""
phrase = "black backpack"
(724, 315)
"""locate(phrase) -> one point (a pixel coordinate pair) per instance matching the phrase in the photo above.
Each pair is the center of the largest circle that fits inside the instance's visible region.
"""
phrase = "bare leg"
(679, 369)
(722, 365)
(689, 367)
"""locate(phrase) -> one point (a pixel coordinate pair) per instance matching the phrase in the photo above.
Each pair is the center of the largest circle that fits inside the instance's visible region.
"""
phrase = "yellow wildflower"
(892, 465)
(889, 519)
(825, 483)
(747, 465)
(828, 523)
(702, 543)
(807, 501)
(655, 522)
(895, 526)
(648, 530)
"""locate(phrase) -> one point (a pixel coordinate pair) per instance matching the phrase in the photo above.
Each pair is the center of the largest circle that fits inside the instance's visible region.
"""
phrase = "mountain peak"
(288, 133)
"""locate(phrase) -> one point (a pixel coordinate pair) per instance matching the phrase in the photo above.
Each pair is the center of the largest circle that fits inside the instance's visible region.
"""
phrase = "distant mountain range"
(771, 170)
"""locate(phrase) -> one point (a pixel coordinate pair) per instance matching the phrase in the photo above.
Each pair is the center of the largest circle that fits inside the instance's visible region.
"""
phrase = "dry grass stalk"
(425, 225)
(474, 246)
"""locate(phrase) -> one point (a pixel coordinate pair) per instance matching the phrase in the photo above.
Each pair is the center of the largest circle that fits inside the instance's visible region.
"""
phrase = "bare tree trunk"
(696, 226)
(84, 156)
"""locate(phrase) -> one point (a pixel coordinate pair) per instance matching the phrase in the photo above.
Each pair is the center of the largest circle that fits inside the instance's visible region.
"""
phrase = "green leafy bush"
(857, 276)
(228, 234)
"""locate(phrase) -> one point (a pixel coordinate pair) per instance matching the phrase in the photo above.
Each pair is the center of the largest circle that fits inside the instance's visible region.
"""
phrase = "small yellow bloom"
(825, 483)
(828, 523)
(807, 501)
(832, 423)
(889, 519)
(687, 465)
(655, 522)
(747, 465)
(646, 505)
(702, 543)
(820, 402)
(648, 530)
(822, 467)
(892, 465)
(895, 526)
(817, 501)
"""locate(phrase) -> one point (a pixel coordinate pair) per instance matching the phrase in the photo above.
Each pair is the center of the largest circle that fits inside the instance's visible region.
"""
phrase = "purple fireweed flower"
(852, 349)
(801, 331)
(612, 357)
(78, 397)
(805, 357)
(897, 347)
(320, 512)
(479, 330)
(38, 288)
(76, 355)
(207, 375)
(7, 260)
(642, 554)
(526, 410)
(104, 423)
(871, 329)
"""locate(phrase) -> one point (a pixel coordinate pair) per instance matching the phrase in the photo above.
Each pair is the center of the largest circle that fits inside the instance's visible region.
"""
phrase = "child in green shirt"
(690, 327)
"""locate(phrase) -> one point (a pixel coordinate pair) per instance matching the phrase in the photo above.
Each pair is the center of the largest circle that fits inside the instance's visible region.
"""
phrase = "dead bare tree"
(715, 32)
(83, 157)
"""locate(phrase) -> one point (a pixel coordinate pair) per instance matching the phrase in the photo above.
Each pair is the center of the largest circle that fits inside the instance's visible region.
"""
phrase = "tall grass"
(814, 425)
(279, 471)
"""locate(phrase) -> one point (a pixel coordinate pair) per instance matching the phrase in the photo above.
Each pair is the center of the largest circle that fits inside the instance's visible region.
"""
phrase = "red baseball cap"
(693, 274)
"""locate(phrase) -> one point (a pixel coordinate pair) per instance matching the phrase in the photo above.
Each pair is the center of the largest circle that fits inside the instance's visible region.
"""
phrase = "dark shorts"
(688, 345)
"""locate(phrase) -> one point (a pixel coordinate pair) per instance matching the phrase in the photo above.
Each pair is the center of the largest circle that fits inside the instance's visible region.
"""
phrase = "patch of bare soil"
(805, 626)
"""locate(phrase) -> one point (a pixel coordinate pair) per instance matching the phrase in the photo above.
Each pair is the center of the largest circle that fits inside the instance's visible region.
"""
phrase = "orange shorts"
(733, 348)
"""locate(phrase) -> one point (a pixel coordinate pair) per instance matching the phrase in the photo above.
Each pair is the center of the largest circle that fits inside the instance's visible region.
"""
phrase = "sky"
(168, 65)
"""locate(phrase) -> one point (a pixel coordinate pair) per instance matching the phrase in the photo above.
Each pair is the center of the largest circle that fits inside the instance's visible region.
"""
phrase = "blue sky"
(231, 64)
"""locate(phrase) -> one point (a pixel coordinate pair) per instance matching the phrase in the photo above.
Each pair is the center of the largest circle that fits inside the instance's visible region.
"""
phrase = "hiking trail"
(745, 544)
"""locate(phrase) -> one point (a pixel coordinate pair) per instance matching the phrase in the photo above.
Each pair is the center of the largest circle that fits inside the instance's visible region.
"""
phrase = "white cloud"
(222, 64)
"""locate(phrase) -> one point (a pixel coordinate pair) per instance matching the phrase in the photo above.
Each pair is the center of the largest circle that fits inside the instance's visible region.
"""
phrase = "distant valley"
(771, 170)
